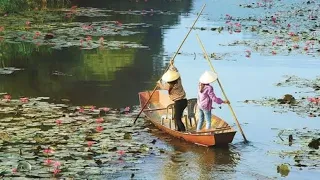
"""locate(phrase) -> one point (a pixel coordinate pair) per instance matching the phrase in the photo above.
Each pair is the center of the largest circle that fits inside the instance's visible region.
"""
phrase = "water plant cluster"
(306, 105)
(283, 29)
(39, 139)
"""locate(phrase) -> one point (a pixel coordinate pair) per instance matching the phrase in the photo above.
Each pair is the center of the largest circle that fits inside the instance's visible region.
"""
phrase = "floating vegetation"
(284, 28)
(301, 83)
(303, 106)
(58, 29)
(39, 139)
(300, 148)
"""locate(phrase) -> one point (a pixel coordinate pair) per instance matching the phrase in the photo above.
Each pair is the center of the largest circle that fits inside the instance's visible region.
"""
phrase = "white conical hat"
(208, 77)
(170, 76)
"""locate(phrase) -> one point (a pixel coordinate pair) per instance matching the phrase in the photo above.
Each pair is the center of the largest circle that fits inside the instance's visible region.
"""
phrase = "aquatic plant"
(72, 147)
(15, 6)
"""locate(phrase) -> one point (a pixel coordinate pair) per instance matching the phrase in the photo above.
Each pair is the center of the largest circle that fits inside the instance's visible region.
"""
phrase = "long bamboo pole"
(224, 94)
(176, 53)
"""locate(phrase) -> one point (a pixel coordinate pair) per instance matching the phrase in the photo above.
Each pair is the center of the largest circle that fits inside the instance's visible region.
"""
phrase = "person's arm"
(164, 86)
(213, 96)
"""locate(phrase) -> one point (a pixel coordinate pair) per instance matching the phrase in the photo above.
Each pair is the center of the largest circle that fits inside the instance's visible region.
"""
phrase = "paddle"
(172, 61)
(224, 94)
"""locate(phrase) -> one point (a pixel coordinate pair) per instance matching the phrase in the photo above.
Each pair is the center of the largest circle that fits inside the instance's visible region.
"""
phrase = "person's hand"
(158, 82)
(226, 102)
(171, 62)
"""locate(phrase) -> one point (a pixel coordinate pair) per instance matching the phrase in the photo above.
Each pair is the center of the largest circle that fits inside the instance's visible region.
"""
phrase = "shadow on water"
(101, 77)
(192, 161)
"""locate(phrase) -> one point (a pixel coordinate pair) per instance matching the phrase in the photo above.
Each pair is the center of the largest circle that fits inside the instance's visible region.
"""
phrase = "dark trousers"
(179, 107)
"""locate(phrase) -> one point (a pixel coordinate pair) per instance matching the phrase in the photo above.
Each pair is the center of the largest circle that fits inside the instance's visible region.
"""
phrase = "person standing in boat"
(176, 93)
(206, 96)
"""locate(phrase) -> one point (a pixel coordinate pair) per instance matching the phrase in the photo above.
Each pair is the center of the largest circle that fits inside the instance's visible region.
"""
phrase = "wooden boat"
(160, 112)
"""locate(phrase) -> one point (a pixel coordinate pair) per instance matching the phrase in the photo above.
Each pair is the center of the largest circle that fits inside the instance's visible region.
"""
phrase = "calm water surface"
(101, 78)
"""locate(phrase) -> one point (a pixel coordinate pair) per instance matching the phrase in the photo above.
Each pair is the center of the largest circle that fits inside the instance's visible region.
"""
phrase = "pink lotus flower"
(105, 109)
(56, 171)
(1, 28)
(57, 164)
(48, 162)
(81, 110)
(99, 128)
(121, 152)
(314, 100)
(92, 108)
(90, 143)
(100, 120)
(127, 109)
(59, 122)
(28, 23)
(48, 151)
(291, 33)
(14, 170)
(7, 98)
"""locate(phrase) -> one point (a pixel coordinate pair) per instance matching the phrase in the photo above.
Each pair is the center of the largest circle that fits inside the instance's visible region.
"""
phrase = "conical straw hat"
(170, 76)
(208, 77)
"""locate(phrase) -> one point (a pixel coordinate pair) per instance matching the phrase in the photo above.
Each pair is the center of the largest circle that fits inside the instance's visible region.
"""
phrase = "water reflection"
(188, 161)
(101, 77)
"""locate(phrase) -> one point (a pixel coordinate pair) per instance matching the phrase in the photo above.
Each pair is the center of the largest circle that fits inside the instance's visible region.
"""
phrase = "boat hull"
(221, 134)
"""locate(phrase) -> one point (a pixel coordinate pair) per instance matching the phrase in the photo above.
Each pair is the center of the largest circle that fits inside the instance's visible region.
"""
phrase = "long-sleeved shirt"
(206, 97)
(176, 92)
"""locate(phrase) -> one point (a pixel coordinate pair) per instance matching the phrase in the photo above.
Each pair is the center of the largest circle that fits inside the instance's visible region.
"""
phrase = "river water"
(113, 79)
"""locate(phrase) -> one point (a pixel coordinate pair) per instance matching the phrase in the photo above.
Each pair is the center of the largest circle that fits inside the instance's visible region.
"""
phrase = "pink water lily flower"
(14, 170)
(121, 152)
(56, 171)
(57, 164)
(99, 128)
(48, 151)
(92, 108)
(105, 109)
(59, 122)
(90, 143)
(81, 110)
(48, 162)
(7, 98)
(100, 120)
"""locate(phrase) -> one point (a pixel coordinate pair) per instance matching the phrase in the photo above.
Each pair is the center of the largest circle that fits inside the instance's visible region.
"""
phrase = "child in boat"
(205, 98)
(176, 93)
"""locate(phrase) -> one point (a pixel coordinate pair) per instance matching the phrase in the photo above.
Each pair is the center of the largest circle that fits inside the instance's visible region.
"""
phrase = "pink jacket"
(206, 98)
